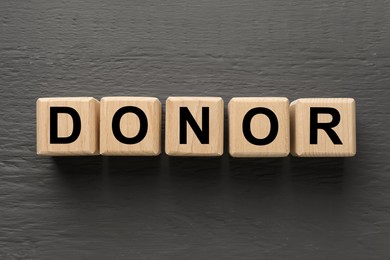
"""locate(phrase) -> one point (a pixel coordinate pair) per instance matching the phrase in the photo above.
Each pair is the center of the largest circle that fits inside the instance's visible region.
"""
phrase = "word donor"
(194, 126)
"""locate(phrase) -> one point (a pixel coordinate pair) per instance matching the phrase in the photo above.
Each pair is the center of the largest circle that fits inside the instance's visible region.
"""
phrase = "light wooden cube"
(317, 141)
(138, 131)
(255, 115)
(66, 140)
(190, 144)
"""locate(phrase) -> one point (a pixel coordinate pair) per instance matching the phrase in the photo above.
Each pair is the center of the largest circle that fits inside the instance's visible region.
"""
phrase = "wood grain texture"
(191, 208)
(129, 126)
(325, 147)
(260, 127)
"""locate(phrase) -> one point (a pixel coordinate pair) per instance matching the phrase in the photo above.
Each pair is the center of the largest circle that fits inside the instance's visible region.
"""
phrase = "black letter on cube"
(54, 138)
(327, 127)
(246, 126)
(202, 134)
(143, 129)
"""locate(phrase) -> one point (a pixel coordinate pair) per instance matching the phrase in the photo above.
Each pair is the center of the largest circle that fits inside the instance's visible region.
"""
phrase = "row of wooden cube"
(99, 135)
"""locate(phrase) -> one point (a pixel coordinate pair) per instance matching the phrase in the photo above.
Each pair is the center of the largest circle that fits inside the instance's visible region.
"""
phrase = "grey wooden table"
(199, 208)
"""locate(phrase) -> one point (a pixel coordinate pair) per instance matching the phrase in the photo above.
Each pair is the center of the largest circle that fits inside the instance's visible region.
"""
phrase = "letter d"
(54, 138)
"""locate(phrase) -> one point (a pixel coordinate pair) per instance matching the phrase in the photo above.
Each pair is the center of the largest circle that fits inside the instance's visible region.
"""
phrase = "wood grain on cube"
(87, 142)
(193, 146)
(325, 147)
(260, 126)
(129, 126)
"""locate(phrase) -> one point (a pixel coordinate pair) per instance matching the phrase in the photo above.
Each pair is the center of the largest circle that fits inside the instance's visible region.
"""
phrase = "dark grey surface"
(181, 208)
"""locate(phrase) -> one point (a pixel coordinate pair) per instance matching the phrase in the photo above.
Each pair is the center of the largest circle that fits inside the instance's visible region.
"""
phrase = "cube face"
(187, 142)
(130, 113)
(323, 127)
(257, 121)
(77, 126)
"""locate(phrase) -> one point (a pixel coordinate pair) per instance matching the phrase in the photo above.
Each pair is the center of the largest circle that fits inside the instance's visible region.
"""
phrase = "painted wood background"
(181, 208)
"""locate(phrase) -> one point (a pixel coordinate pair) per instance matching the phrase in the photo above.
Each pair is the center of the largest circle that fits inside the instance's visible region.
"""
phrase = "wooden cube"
(323, 127)
(67, 126)
(194, 126)
(130, 126)
(259, 127)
